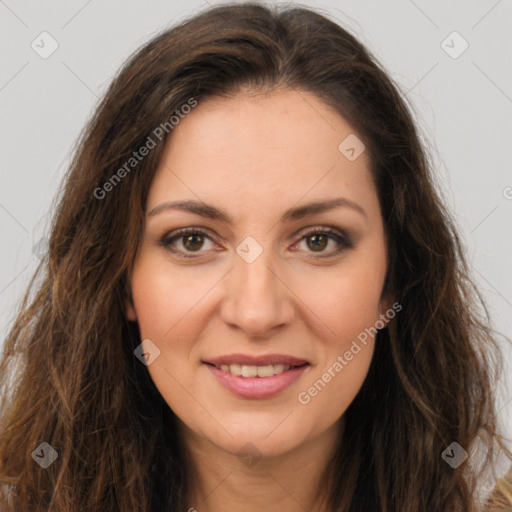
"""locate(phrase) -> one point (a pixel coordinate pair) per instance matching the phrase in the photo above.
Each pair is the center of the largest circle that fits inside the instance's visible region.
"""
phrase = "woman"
(253, 296)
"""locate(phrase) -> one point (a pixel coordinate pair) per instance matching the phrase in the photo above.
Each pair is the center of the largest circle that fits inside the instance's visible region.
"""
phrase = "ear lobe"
(386, 305)
(131, 314)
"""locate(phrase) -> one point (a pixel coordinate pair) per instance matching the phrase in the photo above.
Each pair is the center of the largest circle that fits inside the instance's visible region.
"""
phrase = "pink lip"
(257, 387)
(256, 360)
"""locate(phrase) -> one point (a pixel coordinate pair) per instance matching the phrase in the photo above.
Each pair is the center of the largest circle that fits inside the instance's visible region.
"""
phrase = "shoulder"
(500, 499)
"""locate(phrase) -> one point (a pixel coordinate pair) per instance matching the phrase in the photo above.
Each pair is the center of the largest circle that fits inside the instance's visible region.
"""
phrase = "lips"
(256, 376)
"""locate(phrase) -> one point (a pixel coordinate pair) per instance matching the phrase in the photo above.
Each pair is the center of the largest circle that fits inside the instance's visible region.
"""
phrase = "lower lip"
(257, 387)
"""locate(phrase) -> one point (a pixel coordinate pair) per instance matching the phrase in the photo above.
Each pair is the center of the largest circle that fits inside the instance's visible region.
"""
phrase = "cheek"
(170, 312)
(345, 300)
(333, 387)
(348, 302)
(165, 299)
(350, 308)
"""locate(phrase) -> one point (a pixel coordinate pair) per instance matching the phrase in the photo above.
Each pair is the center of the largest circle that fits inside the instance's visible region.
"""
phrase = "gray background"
(463, 106)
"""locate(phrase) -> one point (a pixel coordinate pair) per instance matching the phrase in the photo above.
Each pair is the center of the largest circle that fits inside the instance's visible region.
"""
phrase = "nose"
(257, 300)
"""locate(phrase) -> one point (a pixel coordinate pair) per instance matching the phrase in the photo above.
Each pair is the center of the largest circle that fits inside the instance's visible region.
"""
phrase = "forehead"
(266, 150)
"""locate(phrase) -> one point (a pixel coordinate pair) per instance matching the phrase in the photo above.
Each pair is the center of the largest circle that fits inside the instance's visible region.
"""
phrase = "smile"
(255, 371)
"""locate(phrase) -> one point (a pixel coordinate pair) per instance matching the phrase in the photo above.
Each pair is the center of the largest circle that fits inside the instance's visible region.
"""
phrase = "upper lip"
(248, 360)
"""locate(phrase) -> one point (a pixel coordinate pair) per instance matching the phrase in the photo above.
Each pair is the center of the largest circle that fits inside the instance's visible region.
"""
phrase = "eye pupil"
(320, 241)
(193, 246)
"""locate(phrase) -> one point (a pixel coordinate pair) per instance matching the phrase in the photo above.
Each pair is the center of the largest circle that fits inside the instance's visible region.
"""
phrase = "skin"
(255, 156)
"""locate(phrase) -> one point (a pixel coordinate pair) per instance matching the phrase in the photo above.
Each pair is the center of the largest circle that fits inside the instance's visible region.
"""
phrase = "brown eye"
(317, 242)
(186, 241)
(193, 242)
(319, 239)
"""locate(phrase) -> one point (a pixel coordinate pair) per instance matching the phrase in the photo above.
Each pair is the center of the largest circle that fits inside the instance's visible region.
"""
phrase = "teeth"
(264, 371)
(254, 371)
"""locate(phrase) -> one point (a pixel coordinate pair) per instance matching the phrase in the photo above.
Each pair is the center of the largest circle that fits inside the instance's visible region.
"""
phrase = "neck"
(288, 482)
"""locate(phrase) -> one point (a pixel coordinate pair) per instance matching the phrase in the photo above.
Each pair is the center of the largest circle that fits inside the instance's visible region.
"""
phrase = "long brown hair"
(69, 376)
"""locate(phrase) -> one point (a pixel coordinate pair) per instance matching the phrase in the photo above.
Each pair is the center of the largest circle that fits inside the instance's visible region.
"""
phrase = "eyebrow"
(211, 212)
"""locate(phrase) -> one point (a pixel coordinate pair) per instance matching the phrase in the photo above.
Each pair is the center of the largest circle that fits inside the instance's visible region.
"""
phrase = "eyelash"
(337, 236)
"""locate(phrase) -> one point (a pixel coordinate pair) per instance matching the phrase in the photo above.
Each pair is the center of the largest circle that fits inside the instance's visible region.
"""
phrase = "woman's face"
(275, 275)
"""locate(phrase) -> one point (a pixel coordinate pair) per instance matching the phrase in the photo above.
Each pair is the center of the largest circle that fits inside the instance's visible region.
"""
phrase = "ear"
(385, 304)
(388, 308)
(131, 314)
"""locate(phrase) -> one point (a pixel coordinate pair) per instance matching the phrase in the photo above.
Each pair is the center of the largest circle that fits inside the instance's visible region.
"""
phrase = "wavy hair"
(68, 374)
